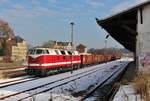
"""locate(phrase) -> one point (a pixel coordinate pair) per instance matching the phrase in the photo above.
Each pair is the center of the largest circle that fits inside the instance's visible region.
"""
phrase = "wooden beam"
(132, 31)
(130, 22)
(117, 23)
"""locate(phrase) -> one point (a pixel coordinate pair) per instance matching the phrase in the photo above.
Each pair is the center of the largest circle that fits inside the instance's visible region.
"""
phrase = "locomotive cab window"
(39, 51)
(31, 51)
(46, 52)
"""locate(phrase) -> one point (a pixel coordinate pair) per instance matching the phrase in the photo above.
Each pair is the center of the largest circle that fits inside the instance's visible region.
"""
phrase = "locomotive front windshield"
(31, 51)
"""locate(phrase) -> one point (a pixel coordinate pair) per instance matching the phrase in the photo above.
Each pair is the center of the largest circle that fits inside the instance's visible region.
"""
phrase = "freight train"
(44, 61)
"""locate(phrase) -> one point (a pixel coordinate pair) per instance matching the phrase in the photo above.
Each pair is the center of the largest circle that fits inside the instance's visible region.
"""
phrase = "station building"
(19, 49)
(81, 48)
(131, 28)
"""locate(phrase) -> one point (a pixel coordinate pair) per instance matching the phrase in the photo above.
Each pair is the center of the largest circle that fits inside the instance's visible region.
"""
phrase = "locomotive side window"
(46, 52)
(62, 52)
(69, 52)
(39, 51)
(57, 52)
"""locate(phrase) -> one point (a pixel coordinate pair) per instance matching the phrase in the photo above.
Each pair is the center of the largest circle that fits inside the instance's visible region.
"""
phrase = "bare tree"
(7, 36)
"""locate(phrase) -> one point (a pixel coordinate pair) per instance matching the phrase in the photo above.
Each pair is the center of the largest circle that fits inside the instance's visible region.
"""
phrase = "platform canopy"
(123, 26)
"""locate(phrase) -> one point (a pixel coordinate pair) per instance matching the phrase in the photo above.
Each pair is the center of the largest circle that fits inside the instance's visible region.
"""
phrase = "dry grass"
(2, 76)
(5, 74)
(124, 82)
(10, 65)
(5, 70)
(142, 86)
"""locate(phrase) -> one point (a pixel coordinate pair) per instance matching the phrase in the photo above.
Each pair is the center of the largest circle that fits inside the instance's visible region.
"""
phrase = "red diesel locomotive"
(43, 61)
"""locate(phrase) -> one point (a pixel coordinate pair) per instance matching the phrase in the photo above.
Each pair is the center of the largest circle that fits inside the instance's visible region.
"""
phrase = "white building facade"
(19, 51)
(131, 28)
(143, 38)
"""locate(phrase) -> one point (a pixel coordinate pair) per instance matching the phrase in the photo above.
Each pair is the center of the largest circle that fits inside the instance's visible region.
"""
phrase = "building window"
(141, 15)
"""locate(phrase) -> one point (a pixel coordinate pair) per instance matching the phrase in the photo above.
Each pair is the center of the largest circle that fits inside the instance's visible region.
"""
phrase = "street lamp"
(107, 36)
(72, 23)
(105, 43)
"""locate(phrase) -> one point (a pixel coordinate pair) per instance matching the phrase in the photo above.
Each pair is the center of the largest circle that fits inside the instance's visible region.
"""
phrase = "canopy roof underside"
(123, 26)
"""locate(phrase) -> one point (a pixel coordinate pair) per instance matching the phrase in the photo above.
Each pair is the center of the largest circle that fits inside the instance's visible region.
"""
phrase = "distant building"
(58, 45)
(81, 48)
(19, 49)
(62, 45)
(68, 46)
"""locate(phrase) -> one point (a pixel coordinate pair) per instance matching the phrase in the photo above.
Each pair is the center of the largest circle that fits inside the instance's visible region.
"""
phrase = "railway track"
(61, 84)
(89, 93)
(12, 72)
(74, 80)
(57, 83)
(17, 81)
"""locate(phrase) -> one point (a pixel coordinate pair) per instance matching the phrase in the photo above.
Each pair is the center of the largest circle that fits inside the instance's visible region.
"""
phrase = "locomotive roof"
(51, 48)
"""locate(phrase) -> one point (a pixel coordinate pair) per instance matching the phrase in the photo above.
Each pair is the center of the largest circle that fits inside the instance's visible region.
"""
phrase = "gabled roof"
(63, 43)
(127, 10)
(81, 46)
(17, 39)
(123, 26)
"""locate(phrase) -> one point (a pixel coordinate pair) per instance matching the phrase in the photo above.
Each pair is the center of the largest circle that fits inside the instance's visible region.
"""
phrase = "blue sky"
(38, 21)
